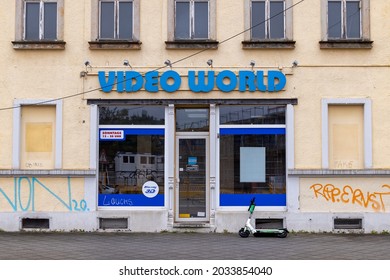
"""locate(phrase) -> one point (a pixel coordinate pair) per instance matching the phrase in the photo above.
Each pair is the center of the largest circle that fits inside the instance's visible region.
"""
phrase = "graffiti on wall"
(348, 195)
(42, 194)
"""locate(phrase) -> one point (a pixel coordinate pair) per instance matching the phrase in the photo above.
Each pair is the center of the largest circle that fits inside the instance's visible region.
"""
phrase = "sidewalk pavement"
(191, 246)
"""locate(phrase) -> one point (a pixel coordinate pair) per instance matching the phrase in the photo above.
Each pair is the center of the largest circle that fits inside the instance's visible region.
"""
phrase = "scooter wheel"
(243, 233)
(283, 234)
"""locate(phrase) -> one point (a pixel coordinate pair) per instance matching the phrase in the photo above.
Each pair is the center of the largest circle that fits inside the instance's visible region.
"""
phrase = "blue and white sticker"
(150, 189)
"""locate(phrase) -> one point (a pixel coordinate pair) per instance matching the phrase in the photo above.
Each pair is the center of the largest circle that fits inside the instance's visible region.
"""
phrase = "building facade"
(172, 115)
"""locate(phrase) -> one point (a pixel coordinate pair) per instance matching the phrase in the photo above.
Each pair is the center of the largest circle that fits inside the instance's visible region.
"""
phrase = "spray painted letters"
(350, 195)
(33, 194)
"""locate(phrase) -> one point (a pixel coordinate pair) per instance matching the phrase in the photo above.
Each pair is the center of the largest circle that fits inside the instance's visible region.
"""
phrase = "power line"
(162, 67)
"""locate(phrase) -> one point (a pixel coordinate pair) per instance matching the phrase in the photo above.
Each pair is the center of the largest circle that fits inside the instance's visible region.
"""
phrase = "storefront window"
(141, 115)
(131, 158)
(192, 119)
(252, 158)
(269, 114)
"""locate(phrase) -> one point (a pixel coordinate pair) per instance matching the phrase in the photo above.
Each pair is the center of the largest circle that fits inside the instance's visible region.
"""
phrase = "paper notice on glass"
(252, 164)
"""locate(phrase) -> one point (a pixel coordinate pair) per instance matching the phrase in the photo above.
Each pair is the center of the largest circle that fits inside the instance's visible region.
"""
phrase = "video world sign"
(198, 81)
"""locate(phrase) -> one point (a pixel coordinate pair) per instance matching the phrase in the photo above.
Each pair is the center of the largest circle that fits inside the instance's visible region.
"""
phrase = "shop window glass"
(267, 114)
(124, 169)
(134, 115)
(194, 119)
(242, 155)
(252, 141)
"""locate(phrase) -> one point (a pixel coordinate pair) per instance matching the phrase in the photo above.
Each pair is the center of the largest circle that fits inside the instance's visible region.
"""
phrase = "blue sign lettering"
(201, 81)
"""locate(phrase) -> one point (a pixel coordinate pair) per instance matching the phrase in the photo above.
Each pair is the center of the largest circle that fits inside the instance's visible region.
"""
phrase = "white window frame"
(211, 23)
(364, 20)
(367, 127)
(18, 104)
(20, 19)
(288, 21)
(95, 25)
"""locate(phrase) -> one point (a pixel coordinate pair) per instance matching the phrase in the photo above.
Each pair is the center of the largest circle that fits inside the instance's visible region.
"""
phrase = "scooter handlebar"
(251, 206)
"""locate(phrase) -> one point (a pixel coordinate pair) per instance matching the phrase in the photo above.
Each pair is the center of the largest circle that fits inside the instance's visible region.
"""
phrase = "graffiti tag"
(23, 197)
(349, 195)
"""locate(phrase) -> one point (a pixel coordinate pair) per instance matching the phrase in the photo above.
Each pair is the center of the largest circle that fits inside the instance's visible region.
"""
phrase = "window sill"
(39, 45)
(114, 45)
(338, 172)
(346, 44)
(268, 44)
(191, 44)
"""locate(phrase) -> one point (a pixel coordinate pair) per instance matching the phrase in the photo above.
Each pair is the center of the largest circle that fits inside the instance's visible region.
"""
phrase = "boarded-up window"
(38, 137)
(346, 147)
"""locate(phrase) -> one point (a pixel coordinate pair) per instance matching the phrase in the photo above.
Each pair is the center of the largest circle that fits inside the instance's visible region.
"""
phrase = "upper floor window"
(40, 20)
(116, 20)
(191, 24)
(269, 24)
(344, 19)
(39, 24)
(191, 19)
(115, 24)
(345, 23)
(267, 19)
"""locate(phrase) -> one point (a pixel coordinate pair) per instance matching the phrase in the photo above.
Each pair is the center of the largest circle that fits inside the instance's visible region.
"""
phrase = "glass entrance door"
(192, 173)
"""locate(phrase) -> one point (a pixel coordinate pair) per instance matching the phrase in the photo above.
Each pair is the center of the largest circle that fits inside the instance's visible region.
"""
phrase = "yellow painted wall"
(34, 194)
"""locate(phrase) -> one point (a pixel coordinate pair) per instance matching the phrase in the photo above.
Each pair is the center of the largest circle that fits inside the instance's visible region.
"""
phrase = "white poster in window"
(252, 164)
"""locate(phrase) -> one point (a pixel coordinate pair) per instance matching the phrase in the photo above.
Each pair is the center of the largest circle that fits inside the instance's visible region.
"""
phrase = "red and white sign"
(112, 134)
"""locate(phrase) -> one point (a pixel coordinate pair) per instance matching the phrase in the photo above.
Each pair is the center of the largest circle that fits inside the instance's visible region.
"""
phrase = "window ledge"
(191, 44)
(268, 44)
(48, 172)
(338, 172)
(39, 45)
(114, 45)
(346, 44)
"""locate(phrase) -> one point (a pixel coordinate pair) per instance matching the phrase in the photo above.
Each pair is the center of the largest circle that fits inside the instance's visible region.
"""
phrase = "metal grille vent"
(269, 223)
(29, 223)
(113, 223)
(348, 223)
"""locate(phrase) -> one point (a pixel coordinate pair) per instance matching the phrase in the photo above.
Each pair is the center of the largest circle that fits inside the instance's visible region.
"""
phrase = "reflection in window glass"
(125, 20)
(267, 114)
(182, 22)
(201, 20)
(275, 164)
(50, 21)
(123, 165)
(276, 20)
(334, 19)
(194, 119)
(32, 21)
(107, 21)
(258, 20)
(353, 19)
(137, 115)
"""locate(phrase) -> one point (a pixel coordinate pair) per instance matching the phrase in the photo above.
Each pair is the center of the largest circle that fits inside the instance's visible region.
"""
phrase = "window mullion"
(192, 19)
(267, 19)
(41, 19)
(344, 19)
(116, 19)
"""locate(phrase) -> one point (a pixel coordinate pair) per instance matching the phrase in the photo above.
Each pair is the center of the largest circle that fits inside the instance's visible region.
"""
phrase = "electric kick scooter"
(248, 229)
